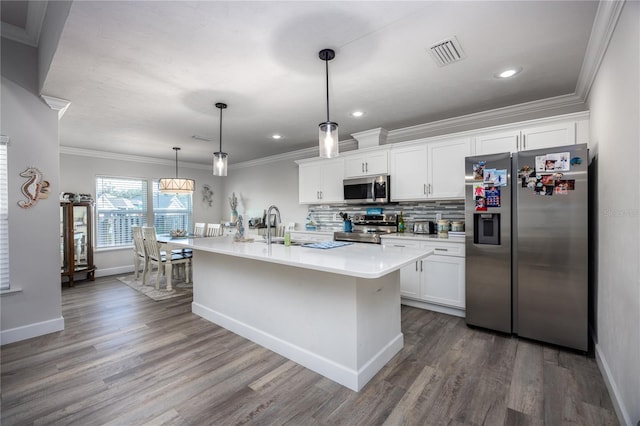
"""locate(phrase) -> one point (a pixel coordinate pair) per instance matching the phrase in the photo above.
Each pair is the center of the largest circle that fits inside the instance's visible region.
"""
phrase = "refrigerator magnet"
(576, 161)
(478, 171)
(561, 188)
(489, 175)
(493, 196)
(478, 190)
(481, 205)
(540, 163)
(557, 162)
(500, 177)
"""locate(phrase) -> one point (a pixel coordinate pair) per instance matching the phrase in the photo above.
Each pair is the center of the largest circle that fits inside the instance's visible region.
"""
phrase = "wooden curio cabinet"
(76, 240)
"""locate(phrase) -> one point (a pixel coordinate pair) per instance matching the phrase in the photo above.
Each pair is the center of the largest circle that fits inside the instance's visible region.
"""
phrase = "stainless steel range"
(367, 228)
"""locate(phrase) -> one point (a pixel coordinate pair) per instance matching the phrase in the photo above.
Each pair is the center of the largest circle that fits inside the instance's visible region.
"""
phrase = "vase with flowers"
(233, 203)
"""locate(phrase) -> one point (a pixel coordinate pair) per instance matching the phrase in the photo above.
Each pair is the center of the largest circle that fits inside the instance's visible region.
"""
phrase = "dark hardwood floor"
(125, 359)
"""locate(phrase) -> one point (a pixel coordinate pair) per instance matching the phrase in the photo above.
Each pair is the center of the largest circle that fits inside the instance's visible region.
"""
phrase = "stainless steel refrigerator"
(527, 244)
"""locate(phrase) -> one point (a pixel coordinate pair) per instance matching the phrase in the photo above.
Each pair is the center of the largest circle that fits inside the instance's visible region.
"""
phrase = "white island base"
(343, 327)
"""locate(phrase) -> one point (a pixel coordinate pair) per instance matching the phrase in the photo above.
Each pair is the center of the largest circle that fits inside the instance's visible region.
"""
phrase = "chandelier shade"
(328, 131)
(220, 158)
(176, 185)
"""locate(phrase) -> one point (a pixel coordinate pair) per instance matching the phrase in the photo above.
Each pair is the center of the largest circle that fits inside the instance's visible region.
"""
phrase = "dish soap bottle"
(401, 223)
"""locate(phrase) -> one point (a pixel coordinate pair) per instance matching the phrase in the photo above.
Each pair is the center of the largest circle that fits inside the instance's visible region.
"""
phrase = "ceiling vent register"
(447, 52)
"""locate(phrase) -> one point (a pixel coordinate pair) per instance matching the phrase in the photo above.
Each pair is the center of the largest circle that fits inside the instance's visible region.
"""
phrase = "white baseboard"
(616, 399)
(432, 307)
(32, 330)
(105, 272)
(341, 374)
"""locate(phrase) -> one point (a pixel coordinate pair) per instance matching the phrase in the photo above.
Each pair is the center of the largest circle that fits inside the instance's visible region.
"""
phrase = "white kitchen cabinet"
(494, 143)
(548, 136)
(435, 282)
(408, 171)
(320, 181)
(445, 168)
(367, 164)
(429, 170)
(527, 138)
(442, 280)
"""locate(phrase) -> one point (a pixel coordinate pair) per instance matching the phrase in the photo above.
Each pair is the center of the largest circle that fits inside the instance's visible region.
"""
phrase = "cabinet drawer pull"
(441, 249)
(398, 245)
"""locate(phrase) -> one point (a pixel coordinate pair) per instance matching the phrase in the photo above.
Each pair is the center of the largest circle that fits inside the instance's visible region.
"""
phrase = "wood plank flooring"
(124, 359)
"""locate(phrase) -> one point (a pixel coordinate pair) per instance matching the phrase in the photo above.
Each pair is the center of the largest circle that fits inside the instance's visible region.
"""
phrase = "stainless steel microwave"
(372, 189)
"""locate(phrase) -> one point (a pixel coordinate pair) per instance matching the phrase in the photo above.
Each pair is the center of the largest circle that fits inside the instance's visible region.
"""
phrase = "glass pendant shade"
(220, 163)
(176, 185)
(328, 137)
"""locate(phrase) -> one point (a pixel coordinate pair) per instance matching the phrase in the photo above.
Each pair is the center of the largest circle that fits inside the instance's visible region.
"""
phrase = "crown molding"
(602, 30)
(30, 35)
(480, 119)
(300, 154)
(56, 104)
(67, 150)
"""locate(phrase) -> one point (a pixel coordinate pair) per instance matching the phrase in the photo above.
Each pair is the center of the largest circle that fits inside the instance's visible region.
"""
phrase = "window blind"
(171, 211)
(120, 204)
(4, 214)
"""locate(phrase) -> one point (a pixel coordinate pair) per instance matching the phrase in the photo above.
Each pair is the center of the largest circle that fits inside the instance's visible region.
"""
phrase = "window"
(120, 204)
(171, 211)
(4, 215)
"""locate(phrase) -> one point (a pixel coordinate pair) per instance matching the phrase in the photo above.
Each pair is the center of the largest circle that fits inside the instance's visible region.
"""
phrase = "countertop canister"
(443, 229)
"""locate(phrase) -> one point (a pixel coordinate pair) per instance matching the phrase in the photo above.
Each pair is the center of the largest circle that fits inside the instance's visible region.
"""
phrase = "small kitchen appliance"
(371, 189)
(367, 228)
(426, 227)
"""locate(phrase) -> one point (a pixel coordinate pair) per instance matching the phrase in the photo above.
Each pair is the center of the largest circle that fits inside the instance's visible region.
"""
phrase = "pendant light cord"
(220, 129)
(176, 149)
(326, 63)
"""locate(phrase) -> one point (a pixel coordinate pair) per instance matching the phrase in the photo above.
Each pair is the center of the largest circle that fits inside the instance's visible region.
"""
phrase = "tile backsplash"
(327, 218)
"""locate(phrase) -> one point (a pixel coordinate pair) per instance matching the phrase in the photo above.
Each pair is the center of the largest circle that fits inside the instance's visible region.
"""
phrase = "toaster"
(426, 227)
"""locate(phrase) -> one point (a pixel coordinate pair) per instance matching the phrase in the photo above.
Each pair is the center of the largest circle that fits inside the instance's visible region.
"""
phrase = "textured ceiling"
(143, 77)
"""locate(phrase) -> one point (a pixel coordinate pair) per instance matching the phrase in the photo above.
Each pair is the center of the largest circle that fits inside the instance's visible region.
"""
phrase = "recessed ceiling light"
(357, 114)
(508, 73)
(277, 136)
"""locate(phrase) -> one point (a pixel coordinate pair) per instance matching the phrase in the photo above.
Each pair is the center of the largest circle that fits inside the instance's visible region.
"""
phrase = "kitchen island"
(335, 311)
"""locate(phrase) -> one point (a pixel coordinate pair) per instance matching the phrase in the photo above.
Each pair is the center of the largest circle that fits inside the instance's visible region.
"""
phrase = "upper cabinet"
(367, 163)
(446, 167)
(433, 168)
(532, 137)
(320, 181)
(430, 170)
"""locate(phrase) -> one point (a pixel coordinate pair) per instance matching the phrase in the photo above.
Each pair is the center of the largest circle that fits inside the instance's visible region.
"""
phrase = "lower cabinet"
(435, 282)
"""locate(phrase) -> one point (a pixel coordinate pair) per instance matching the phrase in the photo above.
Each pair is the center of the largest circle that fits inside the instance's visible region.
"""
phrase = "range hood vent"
(447, 51)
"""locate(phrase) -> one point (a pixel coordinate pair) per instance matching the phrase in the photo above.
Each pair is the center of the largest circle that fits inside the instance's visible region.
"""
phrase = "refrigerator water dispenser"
(486, 228)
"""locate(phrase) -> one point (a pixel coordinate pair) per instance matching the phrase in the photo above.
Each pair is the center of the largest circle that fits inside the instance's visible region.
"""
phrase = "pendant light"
(328, 130)
(176, 185)
(220, 158)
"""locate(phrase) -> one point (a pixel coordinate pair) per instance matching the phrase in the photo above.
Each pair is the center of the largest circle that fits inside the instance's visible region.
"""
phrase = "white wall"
(78, 175)
(34, 237)
(614, 102)
(260, 186)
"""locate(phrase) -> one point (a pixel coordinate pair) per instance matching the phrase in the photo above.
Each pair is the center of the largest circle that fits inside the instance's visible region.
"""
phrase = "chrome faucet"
(278, 220)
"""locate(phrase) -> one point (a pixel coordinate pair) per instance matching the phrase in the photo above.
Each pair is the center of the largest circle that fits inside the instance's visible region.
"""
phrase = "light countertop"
(357, 260)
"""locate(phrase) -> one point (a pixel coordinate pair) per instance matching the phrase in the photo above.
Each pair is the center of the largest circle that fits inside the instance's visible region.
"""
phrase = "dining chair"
(214, 230)
(199, 229)
(138, 250)
(158, 257)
